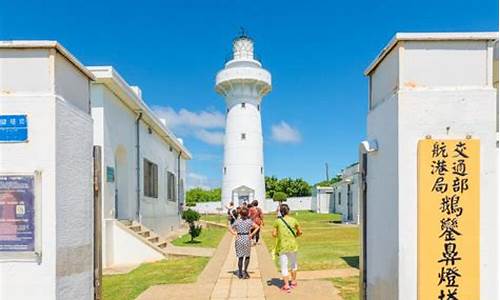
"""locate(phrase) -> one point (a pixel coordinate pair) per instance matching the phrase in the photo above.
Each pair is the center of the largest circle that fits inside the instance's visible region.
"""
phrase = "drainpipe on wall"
(138, 165)
(179, 182)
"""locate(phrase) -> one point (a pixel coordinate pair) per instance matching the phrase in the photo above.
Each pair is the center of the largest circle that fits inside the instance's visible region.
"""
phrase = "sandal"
(293, 285)
(285, 290)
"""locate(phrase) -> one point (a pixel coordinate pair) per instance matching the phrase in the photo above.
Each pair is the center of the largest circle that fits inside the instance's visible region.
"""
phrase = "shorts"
(288, 258)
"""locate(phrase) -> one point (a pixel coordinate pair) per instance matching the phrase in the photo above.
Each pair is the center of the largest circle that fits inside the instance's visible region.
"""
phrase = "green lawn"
(209, 238)
(129, 286)
(348, 286)
(323, 245)
(221, 219)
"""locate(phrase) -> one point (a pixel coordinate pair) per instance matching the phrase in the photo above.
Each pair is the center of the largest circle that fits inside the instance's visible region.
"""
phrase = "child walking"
(244, 229)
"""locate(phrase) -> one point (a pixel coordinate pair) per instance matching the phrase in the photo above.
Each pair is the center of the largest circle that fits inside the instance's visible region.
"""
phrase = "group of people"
(246, 221)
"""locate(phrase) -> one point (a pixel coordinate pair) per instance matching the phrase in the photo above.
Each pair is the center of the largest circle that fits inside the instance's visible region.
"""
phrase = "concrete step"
(161, 244)
(135, 227)
(154, 239)
(126, 222)
(144, 233)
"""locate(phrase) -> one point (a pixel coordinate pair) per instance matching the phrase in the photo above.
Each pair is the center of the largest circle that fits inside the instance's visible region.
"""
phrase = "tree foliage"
(279, 197)
(200, 195)
(330, 182)
(297, 187)
(191, 217)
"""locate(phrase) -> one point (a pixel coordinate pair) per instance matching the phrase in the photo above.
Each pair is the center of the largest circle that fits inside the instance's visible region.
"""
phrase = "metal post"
(97, 223)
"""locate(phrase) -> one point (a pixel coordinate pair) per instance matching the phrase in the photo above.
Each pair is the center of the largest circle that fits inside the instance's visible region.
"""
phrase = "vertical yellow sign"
(448, 219)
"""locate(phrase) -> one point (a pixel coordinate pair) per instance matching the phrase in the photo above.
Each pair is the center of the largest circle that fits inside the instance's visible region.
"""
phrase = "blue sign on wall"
(13, 128)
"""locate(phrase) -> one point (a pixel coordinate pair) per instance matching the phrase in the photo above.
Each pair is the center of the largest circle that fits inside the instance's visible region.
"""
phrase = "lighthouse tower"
(243, 82)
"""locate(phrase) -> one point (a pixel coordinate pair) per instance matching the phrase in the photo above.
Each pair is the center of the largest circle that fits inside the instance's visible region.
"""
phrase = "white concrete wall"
(28, 86)
(74, 219)
(115, 131)
(384, 80)
(445, 91)
(137, 251)
(382, 203)
(350, 181)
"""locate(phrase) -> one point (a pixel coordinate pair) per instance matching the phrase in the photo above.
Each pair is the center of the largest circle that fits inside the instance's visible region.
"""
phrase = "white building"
(46, 171)
(322, 199)
(342, 197)
(345, 195)
(144, 170)
(438, 85)
(243, 82)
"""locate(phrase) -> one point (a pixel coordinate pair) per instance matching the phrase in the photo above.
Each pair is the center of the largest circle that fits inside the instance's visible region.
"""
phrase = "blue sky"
(315, 50)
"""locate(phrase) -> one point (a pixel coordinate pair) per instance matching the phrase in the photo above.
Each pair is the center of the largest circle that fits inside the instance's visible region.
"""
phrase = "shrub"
(279, 197)
(192, 216)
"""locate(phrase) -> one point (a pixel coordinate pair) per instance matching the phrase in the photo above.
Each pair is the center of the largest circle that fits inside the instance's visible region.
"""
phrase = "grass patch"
(221, 219)
(129, 286)
(348, 287)
(209, 238)
(323, 245)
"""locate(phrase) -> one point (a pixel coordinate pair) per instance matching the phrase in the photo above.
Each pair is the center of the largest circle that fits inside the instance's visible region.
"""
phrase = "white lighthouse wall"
(243, 158)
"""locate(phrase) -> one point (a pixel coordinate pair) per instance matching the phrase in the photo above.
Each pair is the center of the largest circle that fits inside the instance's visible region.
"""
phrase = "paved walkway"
(228, 286)
(218, 280)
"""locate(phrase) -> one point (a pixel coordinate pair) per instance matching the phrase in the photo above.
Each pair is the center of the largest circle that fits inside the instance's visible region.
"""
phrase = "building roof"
(430, 36)
(48, 45)
(108, 76)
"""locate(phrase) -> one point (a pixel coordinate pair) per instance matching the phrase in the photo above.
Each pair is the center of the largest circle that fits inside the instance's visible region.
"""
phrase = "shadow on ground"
(352, 261)
(277, 282)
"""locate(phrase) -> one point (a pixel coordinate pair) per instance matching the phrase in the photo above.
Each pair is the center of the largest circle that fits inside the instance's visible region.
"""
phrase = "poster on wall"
(17, 214)
(448, 219)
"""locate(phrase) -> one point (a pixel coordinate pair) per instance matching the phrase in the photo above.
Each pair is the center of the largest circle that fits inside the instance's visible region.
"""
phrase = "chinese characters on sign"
(17, 215)
(13, 128)
(448, 219)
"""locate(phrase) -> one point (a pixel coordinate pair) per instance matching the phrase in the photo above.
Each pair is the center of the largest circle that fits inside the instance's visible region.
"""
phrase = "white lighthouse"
(243, 82)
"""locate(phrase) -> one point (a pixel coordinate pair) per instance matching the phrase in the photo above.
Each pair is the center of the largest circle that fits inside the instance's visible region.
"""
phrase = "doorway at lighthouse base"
(243, 194)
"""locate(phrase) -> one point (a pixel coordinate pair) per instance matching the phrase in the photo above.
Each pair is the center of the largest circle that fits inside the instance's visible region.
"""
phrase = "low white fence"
(295, 203)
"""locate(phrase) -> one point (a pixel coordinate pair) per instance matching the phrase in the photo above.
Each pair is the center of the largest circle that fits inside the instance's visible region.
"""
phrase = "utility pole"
(326, 169)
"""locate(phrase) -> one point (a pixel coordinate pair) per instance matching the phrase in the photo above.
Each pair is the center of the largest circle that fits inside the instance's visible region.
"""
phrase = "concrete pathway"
(316, 289)
(229, 286)
(218, 280)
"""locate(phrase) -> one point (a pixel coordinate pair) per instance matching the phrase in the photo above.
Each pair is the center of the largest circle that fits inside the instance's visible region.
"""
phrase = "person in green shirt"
(286, 230)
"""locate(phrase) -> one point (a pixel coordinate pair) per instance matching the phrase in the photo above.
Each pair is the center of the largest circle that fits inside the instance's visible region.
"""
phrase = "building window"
(171, 188)
(258, 107)
(170, 148)
(340, 198)
(243, 105)
(261, 170)
(225, 170)
(150, 179)
(243, 136)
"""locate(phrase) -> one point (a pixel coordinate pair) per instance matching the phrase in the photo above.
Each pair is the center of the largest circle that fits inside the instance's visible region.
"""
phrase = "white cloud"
(185, 118)
(210, 137)
(195, 180)
(205, 125)
(284, 133)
